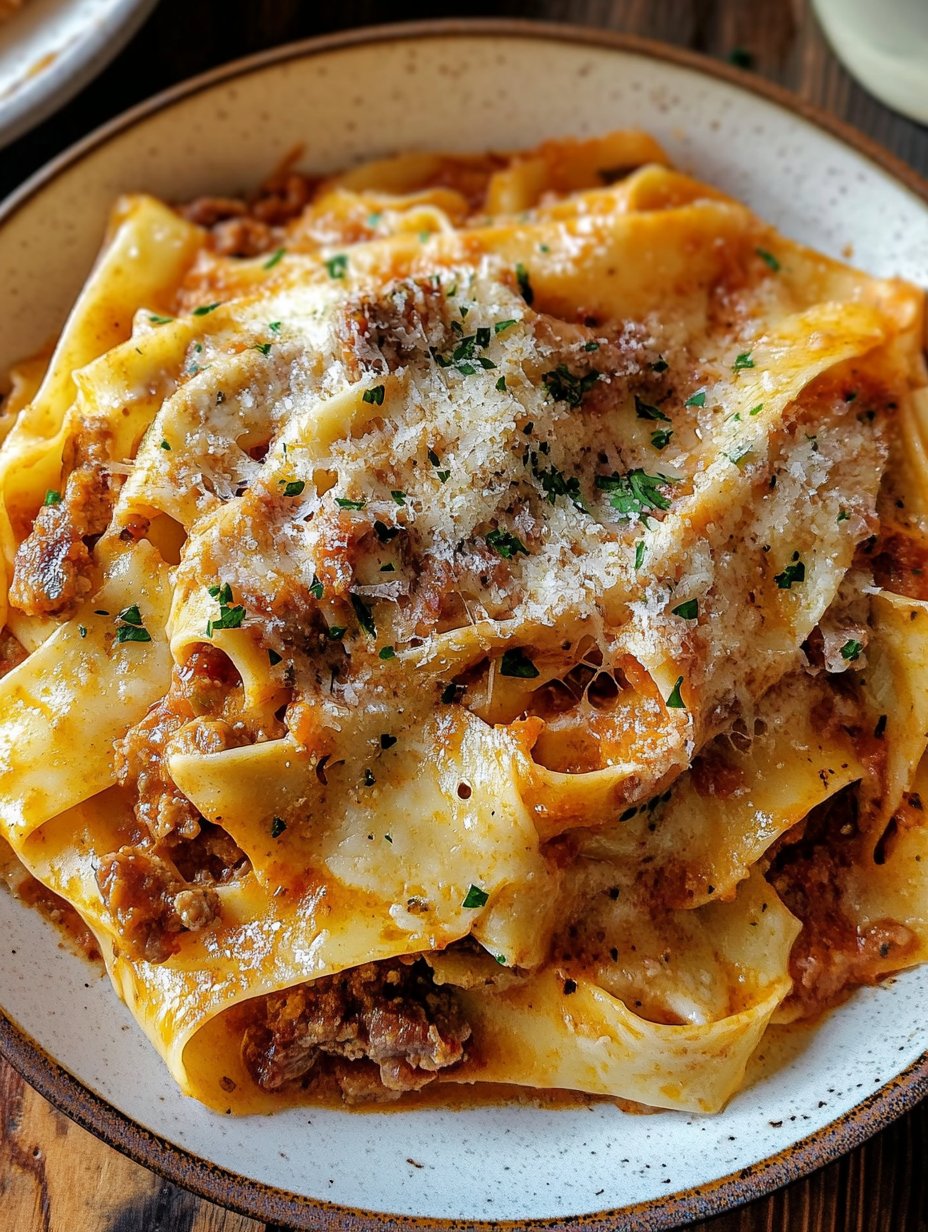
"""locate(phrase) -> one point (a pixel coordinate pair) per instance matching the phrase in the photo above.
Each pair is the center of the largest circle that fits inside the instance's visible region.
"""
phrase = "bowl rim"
(274, 1205)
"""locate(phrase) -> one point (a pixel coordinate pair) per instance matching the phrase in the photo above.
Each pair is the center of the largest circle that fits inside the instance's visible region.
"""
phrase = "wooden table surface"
(55, 1177)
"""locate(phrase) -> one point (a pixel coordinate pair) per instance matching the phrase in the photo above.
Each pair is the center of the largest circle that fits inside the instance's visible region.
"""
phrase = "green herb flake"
(130, 627)
(566, 386)
(591, 346)
(525, 284)
(738, 454)
(364, 615)
(644, 410)
(661, 438)
(386, 653)
(374, 397)
(82, 630)
(505, 544)
(166, 445)
(768, 259)
(231, 615)
(278, 825)
(398, 496)
(517, 663)
(373, 220)
(794, 572)
(688, 610)
(52, 498)
(742, 362)
(344, 502)
(501, 384)
(756, 410)
(205, 309)
(675, 700)
(293, 487)
(843, 515)
(337, 266)
(501, 325)
(475, 897)
(384, 532)
(158, 320)
(451, 693)
(433, 457)
(274, 326)
(389, 567)
(851, 650)
(263, 347)
(273, 657)
(635, 492)
(316, 589)
(369, 779)
(335, 632)
(640, 549)
(696, 399)
(443, 476)
(274, 258)
(660, 364)
(387, 741)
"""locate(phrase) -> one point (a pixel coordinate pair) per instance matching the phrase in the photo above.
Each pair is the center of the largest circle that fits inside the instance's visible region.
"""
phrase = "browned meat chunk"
(12, 652)
(151, 905)
(51, 570)
(140, 763)
(388, 1014)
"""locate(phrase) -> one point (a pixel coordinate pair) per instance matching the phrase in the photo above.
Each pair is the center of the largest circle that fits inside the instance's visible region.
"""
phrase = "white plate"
(811, 1095)
(49, 49)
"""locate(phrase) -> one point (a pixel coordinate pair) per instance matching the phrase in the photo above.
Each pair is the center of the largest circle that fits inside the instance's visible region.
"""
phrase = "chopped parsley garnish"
(795, 571)
(82, 630)
(278, 825)
(659, 365)
(335, 632)
(465, 352)
(274, 258)
(443, 476)
(451, 693)
(843, 515)
(52, 497)
(387, 653)
(364, 615)
(373, 396)
(768, 259)
(756, 410)
(204, 309)
(675, 700)
(688, 610)
(389, 567)
(525, 285)
(851, 650)
(130, 627)
(554, 484)
(506, 544)
(273, 657)
(387, 741)
(263, 347)
(636, 491)
(566, 386)
(274, 326)
(475, 897)
(591, 346)
(661, 438)
(398, 496)
(501, 959)
(644, 410)
(165, 445)
(738, 454)
(344, 502)
(384, 532)
(501, 384)
(316, 589)
(517, 663)
(640, 548)
(292, 487)
(434, 458)
(158, 320)
(743, 361)
(696, 399)
(231, 614)
(337, 266)
(501, 325)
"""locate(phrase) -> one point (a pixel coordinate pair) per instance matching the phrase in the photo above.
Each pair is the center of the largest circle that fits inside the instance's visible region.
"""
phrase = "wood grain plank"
(54, 1177)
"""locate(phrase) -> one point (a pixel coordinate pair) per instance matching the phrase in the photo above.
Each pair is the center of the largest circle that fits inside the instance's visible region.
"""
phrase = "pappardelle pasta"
(465, 621)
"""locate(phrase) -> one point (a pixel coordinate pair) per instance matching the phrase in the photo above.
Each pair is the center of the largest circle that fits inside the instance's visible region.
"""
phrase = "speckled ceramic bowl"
(811, 1095)
(49, 49)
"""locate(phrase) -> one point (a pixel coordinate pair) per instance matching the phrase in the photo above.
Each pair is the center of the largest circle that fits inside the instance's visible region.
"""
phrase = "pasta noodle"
(466, 620)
